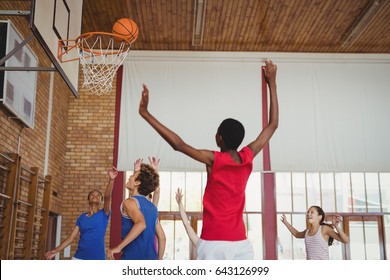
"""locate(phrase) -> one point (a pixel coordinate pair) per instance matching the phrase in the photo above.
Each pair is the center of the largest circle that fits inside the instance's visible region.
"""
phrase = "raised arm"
(338, 232)
(273, 122)
(293, 230)
(156, 194)
(49, 255)
(190, 231)
(112, 173)
(174, 140)
(137, 164)
(161, 240)
(131, 209)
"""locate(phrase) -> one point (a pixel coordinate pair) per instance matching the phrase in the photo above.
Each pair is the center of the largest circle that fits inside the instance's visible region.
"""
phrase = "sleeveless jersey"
(316, 247)
(141, 248)
(224, 198)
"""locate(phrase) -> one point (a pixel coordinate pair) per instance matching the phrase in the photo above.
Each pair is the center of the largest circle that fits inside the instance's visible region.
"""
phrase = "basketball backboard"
(53, 20)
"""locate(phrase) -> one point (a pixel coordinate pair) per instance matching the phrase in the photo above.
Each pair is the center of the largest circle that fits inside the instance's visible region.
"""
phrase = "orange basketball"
(127, 28)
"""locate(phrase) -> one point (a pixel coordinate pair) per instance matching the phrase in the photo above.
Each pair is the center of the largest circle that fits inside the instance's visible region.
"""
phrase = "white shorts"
(224, 250)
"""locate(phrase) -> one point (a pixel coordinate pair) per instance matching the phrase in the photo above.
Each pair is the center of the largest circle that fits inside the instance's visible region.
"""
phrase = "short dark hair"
(149, 179)
(232, 133)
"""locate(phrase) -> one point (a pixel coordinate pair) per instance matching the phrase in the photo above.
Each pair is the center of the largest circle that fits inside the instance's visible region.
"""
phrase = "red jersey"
(224, 197)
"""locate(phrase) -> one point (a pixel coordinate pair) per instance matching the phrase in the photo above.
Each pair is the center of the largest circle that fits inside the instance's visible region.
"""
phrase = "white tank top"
(316, 247)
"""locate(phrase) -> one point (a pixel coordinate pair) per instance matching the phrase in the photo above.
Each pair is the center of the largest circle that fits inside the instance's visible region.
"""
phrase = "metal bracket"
(15, 50)
(14, 13)
(12, 68)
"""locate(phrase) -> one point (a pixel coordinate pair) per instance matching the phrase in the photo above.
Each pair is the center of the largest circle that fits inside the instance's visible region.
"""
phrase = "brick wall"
(89, 152)
(32, 148)
(81, 136)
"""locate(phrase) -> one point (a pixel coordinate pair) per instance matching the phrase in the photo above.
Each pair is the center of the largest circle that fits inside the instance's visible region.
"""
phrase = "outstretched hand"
(283, 219)
(143, 105)
(49, 255)
(270, 71)
(336, 220)
(112, 173)
(137, 164)
(154, 162)
(179, 196)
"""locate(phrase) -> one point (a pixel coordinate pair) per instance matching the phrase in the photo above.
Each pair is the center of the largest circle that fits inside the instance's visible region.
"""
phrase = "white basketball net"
(100, 64)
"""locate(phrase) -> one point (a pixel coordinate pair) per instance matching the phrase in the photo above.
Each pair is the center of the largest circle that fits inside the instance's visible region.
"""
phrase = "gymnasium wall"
(33, 141)
(81, 136)
(333, 107)
(89, 153)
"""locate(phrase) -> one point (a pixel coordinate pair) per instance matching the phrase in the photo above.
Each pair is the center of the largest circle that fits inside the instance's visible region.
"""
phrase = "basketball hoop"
(100, 54)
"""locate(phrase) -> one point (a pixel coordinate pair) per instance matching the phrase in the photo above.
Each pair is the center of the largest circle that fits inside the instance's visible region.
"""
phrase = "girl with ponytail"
(319, 235)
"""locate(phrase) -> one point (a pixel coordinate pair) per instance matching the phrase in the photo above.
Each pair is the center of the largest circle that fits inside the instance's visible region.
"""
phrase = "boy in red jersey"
(223, 232)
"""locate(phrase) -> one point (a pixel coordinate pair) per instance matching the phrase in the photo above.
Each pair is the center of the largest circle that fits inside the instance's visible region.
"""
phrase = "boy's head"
(147, 179)
(232, 133)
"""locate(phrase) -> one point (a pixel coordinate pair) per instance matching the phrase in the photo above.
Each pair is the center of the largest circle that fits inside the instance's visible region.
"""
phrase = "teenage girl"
(319, 235)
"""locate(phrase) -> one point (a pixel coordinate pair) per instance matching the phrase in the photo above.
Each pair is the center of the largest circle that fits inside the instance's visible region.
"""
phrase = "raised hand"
(336, 220)
(283, 219)
(137, 164)
(270, 71)
(143, 105)
(112, 173)
(179, 196)
(154, 162)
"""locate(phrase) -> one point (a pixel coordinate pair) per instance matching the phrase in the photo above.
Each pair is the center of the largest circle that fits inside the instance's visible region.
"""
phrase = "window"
(193, 184)
(363, 199)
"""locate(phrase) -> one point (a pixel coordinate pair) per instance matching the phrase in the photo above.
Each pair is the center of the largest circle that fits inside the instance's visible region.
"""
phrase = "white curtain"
(334, 116)
(333, 108)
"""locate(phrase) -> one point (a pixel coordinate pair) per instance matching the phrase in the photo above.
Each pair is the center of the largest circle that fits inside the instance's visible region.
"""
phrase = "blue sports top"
(141, 248)
(92, 231)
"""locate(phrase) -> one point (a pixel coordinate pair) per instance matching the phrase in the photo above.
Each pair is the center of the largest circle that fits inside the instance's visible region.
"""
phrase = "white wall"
(333, 108)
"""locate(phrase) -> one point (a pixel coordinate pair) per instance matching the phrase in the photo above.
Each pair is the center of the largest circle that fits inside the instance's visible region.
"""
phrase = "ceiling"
(250, 25)
(316, 26)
